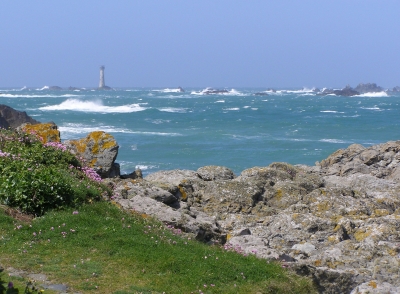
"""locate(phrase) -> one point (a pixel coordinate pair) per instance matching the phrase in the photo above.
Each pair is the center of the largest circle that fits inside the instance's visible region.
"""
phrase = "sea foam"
(93, 106)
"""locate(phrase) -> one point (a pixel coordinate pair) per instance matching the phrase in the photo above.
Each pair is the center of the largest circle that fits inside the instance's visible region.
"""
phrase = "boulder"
(47, 132)
(99, 150)
(11, 118)
(213, 172)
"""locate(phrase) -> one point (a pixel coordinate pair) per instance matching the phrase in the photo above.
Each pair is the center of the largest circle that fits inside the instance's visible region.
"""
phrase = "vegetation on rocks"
(37, 177)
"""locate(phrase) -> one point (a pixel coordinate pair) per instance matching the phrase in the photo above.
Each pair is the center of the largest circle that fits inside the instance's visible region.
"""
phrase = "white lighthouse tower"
(102, 83)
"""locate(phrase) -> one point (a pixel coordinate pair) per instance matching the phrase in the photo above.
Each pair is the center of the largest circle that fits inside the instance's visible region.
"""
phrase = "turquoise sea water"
(162, 129)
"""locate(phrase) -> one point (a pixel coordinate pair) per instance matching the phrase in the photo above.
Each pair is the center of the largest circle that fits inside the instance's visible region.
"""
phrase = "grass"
(101, 249)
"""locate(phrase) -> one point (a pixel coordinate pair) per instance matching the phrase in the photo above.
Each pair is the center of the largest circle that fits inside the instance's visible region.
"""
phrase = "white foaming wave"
(304, 90)
(145, 167)
(373, 94)
(335, 141)
(72, 128)
(173, 109)
(206, 91)
(160, 121)
(254, 108)
(220, 101)
(246, 106)
(44, 88)
(168, 90)
(233, 108)
(371, 108)
(331, 111)
(93, 106)
(81, 129)
(37, 96)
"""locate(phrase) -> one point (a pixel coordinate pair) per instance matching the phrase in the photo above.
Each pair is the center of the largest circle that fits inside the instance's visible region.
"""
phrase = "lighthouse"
(102, 83)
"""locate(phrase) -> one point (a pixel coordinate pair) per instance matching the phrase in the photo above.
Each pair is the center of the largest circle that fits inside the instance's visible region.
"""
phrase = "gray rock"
(99, 150)
(11, 118)
(337, 222)
(213, 172)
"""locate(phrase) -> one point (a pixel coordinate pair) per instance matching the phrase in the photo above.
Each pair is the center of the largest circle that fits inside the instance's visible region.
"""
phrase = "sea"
(165, 128)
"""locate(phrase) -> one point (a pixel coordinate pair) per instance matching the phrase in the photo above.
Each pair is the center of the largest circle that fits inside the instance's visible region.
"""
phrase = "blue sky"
(216, 43)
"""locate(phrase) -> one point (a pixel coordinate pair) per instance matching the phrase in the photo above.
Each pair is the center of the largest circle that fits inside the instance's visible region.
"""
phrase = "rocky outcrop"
(368, 88)
(99, 150)
(11, 118)
(347, 91)
(337, 222)
(55, 88)
(47, 132)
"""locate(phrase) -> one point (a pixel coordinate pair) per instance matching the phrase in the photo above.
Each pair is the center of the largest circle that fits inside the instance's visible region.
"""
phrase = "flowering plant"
(37, 177)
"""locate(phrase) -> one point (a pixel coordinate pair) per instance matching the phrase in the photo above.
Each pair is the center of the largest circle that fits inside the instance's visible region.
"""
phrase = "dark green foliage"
(36, 178)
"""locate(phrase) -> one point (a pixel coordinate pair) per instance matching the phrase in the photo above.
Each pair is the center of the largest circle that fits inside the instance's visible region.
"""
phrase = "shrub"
(36, 178)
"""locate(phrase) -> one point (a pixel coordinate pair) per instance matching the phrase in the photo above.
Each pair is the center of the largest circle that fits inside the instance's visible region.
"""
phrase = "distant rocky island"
(347, 91)
(360, 89)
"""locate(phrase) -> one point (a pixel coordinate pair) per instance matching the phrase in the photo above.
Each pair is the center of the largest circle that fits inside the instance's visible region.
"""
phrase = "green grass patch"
(101, 249)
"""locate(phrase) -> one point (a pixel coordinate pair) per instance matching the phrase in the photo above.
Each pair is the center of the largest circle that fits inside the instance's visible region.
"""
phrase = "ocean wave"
(71, 128)
(93, 106)
(211, 91)
(173, 109)
(372, 108)
(231, 109)
(331, 111)
(220, 101)
(373, 94)
(44, 88)
(7, 95)
(145, 167)
(335, 141)
(168, 90)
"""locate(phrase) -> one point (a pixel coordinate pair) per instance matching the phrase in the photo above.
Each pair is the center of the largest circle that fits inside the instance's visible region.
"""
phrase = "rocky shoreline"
(337, 222)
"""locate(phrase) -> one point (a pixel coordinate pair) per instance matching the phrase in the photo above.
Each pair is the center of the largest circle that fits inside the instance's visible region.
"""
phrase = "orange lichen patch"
(279, 193)
(228, 236)
(93, 162)
(373, 284)
(80, 145)
(318, 262)
(183, 193)
(323, 206)
(333, 239)
(295, 216)
(392, 252)
(381, 212)
(47, 132)
(361, 234)
(145, 215)
(107, 141)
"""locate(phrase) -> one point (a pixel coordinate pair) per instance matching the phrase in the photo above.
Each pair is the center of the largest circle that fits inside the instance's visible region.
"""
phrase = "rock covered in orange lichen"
(99, 149)
(48, 132)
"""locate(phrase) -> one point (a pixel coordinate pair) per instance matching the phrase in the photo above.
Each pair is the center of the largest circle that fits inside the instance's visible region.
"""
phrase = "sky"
(208, 43)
